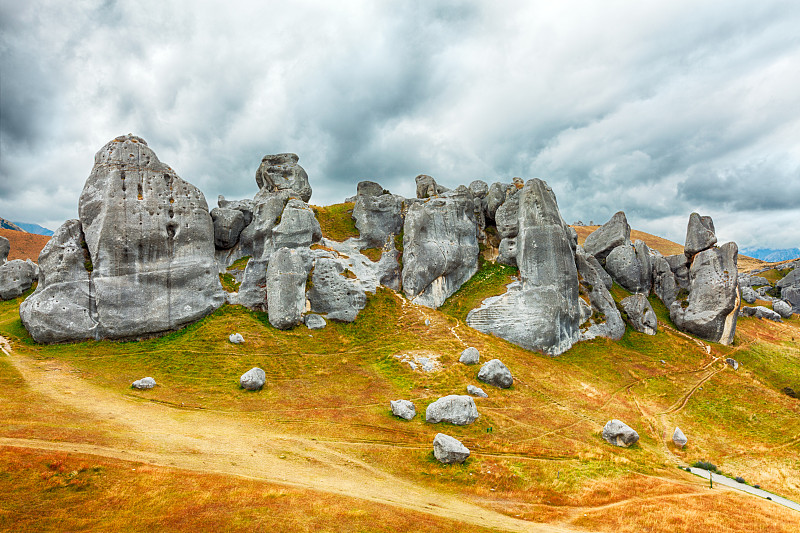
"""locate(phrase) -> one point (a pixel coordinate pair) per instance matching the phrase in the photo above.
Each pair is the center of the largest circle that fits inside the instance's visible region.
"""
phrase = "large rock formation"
(440, 247)
(281, 172)
(699, 235)
(606, 321)
(541, 311)
(640, 313)
(334, 294)
(378, 218)
(150, 244)
(286, 276)
(630, 266)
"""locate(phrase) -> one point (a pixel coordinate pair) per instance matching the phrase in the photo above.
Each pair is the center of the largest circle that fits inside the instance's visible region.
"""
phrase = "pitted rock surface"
(281, 172)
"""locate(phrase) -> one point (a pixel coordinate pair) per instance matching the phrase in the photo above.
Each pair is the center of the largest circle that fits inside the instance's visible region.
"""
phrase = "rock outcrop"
(16, 277)
(378, 218)
(333, 294)
(281, 172)
(610, 235)
(403, 408)
(228, 225)
(449, 450)
(640, 314)
(427, 187)
(456, 409)
(286, 287)
(541, 311)
(782, 308)
(619, 434)
(440, 247)
(604, 319)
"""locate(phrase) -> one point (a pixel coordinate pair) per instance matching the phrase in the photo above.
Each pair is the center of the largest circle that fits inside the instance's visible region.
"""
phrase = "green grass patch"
(373, 254)
(336, 221)
(240, 264)
(490, 280)
(229, 282)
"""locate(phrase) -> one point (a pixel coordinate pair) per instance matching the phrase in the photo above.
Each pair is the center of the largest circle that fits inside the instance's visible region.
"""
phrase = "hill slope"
(24, 245)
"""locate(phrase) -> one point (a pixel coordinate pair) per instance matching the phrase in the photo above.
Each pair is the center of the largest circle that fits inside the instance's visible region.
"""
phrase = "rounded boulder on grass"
(254, 379)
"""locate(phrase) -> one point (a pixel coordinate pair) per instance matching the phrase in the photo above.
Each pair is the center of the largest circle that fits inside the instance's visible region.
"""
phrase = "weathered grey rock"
(427, 187)
(403, 408)
(619, 434)
(5, 248)
(479, 188)
(495, 373)
(470, 356)
(478, 392)
(640, 313)
(664, 284)
(236, 338)
(760, 311)
(256, 238)
(16, 277)
(144, 383)
(449, 450)
(243, 206)
(333, 294)
(315, 321)
(758, 281)
(253, 379)
(792, 279)
(286, 280)
(710, 311)
(782, 308)
(791, 295)
(61, 307)
(679, 438)
(228, 225)
(150, 242)
(281, 172)
(679, 265)
(498, 192)
(507, 216)
(748, 294)
(586, 311)
(370, 188)
(456, 409)
(298, 228)
(609, 321)
(253, 290)
(440, 248)
(598, 268)
(508, 252)
(699, 235)
(541, 312)
(625, 266)
(610, 235)
(378, 218)
(733, 363)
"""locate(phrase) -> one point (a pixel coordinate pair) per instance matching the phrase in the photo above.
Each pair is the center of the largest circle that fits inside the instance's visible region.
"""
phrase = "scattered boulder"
(478, 392)
(236, 338)
(286, 281)
(748, 294)
(253, 379)
(679, 438)
(377, 218)
(333, 294)
(760, 311)
(16, 277)
(782, 308)
(699, 235)
(456, 409)
(495, 373)
(440, 247)
(281, 172)
(640, 313)
(314, 321)
(610, 235)
(619, 434)
(710, 310)
(733, 363)
(449, 450)
(541, 311)
(228, 225)
(427, 187)
(144, 383)
(470, 356)
(5, 248)
(403, 408)
(791, 295)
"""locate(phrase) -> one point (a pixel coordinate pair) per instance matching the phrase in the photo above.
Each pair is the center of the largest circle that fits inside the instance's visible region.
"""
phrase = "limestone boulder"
(699, 235)
(748, 294)
(378, 218)
(496, 196)
(607, 237)
(479, 188)
(253, 290)
(61, 309)
(782, 308)
(449, 450)
(313, 321)
(507, 216)
(16, 277)
(507, 253)
(679, 438)
(440, 248)
(370, 188)
(403, 408)
(664, 284)
(144, 383)
(679, 265)
(253, 379)
(619, 434)
(710, 310)
(427, 187)
(455, 409)
(630, 267)
(495, 373)
(298, 226)
(792, 279)
(791, 295)
(478, 392)
(150, 243)
(333, 294)
(228, 225)
(286, 276)
(281, 172)
(757, 281)
(470, 356)
(243, 206)
(640, 313)
(256, 239)
(760, 311)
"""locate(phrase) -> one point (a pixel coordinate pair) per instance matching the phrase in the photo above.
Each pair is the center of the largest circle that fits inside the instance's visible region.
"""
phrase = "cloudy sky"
(655, 108)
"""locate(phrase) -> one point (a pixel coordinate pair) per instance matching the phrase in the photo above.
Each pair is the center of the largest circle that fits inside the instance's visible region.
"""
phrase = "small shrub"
(705, 465)
(740, 479)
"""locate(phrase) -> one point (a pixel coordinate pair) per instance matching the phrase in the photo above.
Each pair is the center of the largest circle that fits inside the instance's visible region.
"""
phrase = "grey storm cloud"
(658, 108)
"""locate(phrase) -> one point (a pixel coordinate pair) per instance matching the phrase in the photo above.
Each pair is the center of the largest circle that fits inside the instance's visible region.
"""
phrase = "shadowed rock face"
(710, 311)
(594, 279)
(150, 243)
(440, 247)
(286, 276)
(541, 312)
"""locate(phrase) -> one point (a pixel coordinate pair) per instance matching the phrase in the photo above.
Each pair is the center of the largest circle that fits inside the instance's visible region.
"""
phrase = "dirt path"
(207, 441)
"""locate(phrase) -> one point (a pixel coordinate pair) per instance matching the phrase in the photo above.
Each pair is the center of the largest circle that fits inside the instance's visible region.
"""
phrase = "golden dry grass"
(24, 245)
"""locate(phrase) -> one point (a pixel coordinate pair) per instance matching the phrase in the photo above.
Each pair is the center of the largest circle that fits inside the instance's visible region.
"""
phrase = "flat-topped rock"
(456, 409)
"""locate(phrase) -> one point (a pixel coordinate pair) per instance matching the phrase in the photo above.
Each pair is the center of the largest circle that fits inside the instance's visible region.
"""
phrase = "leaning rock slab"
(403, 408)
(144, 383)
(281, 172)
(253, 379)
(449, 450)
(495, 373)
(456, 409)
(608, 322)
(619, 434)
(640, 314)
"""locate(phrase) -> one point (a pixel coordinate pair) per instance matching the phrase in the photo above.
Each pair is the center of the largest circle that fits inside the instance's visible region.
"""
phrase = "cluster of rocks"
(16, 276)
(783, 296)
(145, 257)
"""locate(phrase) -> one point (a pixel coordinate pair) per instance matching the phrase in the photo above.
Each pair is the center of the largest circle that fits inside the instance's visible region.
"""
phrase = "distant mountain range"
(25, 226)
(772, 255)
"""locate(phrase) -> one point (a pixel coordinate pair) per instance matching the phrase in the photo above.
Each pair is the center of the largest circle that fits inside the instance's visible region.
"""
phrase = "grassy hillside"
(24, 245)
(537, 454)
